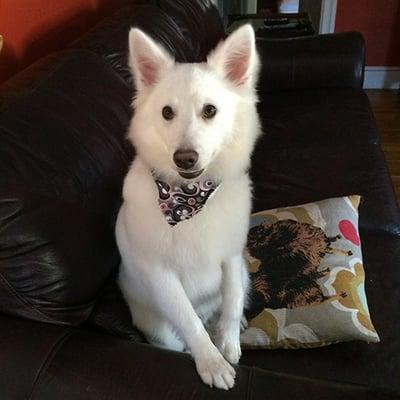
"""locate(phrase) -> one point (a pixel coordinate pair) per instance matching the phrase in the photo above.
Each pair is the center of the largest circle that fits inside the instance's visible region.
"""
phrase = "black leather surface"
(63, 156)
(326, 61)
(317, 117)
(293, 176)
(111, 315)
(72, 364)
(187, 29)
(25, 349)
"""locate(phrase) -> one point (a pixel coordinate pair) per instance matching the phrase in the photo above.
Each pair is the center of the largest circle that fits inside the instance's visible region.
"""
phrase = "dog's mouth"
(190, 174)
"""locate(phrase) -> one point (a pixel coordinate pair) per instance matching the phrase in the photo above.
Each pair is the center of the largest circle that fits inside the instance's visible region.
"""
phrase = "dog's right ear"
(147, 59)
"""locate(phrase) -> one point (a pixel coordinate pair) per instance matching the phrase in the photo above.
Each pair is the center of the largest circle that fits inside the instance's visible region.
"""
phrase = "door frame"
(322, 14)
(328, 16)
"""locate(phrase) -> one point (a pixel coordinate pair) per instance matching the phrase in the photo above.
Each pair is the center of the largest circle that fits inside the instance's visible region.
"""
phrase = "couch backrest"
(187, 29)
(63, 156)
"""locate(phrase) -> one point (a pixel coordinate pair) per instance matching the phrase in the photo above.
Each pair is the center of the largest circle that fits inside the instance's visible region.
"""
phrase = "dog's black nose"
(185, 159)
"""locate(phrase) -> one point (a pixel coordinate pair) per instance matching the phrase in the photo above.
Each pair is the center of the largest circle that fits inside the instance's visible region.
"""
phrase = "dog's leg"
(171, 302)
(235, 283)
(156, 329)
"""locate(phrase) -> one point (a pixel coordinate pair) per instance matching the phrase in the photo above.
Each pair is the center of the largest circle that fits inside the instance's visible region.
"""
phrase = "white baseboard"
(382, 78)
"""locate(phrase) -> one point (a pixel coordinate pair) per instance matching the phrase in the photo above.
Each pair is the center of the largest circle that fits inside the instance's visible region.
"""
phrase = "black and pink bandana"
(181, 202)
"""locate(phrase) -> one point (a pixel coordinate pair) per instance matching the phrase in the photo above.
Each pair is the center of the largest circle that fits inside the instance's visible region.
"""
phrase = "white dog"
(194, 128)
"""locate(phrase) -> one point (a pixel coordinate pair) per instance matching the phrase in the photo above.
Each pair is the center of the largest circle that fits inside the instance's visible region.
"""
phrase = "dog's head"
(193, 119)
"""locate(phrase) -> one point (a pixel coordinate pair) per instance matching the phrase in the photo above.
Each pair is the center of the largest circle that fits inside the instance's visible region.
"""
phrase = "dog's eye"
(168, 113)
(209, 111)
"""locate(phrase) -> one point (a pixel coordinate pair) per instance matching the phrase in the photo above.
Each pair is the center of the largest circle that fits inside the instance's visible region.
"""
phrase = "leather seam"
(312, 379)
(250, 384)
(21, 299)
(49, 357)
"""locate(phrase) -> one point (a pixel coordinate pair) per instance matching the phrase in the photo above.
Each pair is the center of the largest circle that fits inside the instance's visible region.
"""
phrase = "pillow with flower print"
(307, 277)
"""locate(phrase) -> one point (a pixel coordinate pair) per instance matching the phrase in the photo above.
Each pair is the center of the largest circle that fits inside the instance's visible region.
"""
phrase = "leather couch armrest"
(324, 61)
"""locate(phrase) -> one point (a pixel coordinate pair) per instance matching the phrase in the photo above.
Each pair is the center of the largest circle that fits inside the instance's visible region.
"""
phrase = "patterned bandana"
(181, 202)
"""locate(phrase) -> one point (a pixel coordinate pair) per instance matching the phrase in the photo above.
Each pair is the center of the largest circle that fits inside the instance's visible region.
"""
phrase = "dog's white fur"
(175, 279)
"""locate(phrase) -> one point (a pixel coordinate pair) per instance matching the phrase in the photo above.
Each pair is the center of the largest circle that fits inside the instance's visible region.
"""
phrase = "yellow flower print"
(346, 285)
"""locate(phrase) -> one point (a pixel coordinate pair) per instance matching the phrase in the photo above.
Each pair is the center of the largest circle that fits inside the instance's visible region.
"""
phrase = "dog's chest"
(195, 248)
(202, 282)
(197, 257)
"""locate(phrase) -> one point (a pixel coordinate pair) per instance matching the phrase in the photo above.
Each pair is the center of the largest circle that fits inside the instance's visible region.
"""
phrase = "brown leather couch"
(65, 332)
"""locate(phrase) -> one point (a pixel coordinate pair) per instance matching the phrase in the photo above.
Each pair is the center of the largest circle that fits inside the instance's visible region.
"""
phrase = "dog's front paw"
(215, 371)
(229, 346)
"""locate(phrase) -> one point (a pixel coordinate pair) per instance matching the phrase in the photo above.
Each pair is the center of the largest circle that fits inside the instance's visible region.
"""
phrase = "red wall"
(33, 28)
(379, 22)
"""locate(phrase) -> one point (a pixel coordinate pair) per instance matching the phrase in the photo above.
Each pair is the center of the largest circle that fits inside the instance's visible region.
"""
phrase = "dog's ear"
(147, 59)
(236, 57)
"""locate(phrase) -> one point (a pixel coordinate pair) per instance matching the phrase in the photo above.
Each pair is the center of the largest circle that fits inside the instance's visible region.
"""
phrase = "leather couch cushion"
(70, 364)
(303, 118)
(319, 144)
(62, 161)
(26, 349)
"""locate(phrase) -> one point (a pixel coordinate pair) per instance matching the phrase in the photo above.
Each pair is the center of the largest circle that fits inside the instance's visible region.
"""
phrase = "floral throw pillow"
(307, 277)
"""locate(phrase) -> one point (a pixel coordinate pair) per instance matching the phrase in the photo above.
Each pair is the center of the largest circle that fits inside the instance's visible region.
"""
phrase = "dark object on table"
(63, 157)
(274, 25)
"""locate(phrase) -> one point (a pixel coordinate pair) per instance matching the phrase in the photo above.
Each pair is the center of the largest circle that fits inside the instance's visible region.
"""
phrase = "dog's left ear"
(236, 58)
